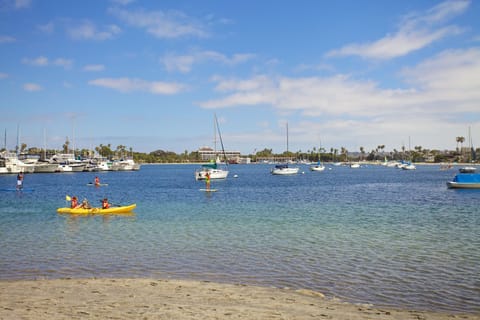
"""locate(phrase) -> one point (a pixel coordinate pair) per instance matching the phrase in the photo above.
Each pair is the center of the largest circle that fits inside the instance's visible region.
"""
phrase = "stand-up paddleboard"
(209, 190)
(97, 185)
(18, 190)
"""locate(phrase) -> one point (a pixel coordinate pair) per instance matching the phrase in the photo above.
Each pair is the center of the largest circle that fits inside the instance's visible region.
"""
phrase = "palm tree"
(459, 140)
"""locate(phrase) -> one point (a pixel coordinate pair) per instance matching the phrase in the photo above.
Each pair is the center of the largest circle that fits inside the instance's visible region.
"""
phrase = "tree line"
(418, 154)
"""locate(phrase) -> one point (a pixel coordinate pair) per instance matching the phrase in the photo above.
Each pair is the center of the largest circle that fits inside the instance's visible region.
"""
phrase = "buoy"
(235, 176)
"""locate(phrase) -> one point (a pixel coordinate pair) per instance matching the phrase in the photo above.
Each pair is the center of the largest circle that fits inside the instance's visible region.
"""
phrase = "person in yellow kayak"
(74, 203)
(85, 204)
(105, 204)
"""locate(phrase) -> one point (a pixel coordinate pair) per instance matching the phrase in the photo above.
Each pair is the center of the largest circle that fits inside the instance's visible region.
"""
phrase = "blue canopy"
(467, 178)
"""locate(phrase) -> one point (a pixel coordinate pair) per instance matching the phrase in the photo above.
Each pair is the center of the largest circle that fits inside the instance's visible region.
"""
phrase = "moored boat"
(213, 170)
(468, 169)
(465, 181)
(111, 210)
(284, 169)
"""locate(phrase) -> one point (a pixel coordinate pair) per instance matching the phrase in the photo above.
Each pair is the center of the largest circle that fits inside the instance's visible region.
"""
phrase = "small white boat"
(409, 166)
(355, 165)
(467, 169)
(284, 169)
(317, 167)
(213, 170)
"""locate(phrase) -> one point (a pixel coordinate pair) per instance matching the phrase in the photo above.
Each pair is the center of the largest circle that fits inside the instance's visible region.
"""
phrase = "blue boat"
(465, 181)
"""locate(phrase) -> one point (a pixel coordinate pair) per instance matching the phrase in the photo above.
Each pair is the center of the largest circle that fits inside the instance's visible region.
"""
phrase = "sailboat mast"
(215, 134)
(18, 139)
(287, 137)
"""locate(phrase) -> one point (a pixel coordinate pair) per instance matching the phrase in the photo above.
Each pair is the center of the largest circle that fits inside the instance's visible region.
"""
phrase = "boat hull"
(317, 168)
(112, 210)
(465, 181)
(462, 185)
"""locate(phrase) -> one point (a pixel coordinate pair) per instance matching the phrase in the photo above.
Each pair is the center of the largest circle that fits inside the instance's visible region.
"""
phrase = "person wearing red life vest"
(105, 204)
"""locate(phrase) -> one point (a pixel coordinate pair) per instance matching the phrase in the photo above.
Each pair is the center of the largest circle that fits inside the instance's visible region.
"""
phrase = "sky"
(152, 75)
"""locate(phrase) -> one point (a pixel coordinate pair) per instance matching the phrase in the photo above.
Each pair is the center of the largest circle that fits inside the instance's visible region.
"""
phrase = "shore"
(180, 299)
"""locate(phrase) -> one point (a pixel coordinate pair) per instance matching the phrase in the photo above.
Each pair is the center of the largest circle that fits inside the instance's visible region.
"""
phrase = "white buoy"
(235, 176)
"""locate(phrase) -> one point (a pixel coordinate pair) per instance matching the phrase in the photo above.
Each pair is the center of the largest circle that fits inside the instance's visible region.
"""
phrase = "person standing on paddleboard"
(207, 180)
(20, 181)
(97, 182)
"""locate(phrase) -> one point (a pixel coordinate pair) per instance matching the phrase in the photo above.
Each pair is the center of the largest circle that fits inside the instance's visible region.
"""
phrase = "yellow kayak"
(123, 209)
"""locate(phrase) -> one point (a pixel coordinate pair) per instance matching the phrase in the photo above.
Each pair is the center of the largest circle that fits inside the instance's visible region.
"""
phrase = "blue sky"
(151, 74)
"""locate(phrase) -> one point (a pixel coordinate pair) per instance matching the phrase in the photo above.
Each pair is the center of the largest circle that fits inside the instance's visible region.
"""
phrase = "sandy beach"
(178, 299)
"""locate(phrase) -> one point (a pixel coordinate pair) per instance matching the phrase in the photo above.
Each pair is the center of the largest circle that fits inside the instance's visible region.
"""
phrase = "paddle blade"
(67, 197)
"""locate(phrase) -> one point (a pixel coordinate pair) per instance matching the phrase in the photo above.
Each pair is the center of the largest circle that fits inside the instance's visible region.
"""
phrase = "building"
(207, 154)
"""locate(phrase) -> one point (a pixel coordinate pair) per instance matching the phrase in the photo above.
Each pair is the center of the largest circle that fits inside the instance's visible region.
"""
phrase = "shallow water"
(378, 235)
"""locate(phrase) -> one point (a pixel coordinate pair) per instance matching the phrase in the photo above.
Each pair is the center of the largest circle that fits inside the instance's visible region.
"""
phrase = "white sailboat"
(319, 166)
(284, 169)
(213, 168)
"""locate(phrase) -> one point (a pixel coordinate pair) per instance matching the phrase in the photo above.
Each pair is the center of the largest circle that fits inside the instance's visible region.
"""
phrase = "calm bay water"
(378, 235)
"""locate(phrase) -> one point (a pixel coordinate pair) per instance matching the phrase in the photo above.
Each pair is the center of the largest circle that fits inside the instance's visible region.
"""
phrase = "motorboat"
(126, 164)
(468, 169)
(465, 181)
(284, 169)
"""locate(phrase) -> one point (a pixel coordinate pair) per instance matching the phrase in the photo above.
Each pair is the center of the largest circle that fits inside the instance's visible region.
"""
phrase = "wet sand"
(179, 299)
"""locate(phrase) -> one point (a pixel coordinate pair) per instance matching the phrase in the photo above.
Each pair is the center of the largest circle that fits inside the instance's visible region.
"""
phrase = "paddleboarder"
(19, 181)
(97, 182)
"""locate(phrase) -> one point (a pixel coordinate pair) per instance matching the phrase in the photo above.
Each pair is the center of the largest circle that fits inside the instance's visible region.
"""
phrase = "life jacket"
(105, 204)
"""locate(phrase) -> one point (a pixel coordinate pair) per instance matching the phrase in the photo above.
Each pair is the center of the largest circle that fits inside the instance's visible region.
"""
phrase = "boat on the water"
(212, 169)
(468, 169)
(111, 210)
(317, 167)
(284, 169)
(465, 181)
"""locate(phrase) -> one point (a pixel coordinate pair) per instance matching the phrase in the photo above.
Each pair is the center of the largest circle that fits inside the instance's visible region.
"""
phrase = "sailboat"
(319, 166)
(213, 168)
(284, 169)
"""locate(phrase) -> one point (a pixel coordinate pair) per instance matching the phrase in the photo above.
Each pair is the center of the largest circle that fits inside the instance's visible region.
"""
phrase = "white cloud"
(44, 61)
(47, 28)
(87, 30)
(65, 63)
(165, 25)
(38, 62)
(444, 85)
(122, 2)
(415, 32)
(7, 39)
(94, 67)
(21, 4)
(184, 63)
(31, 87)
(130, 85)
